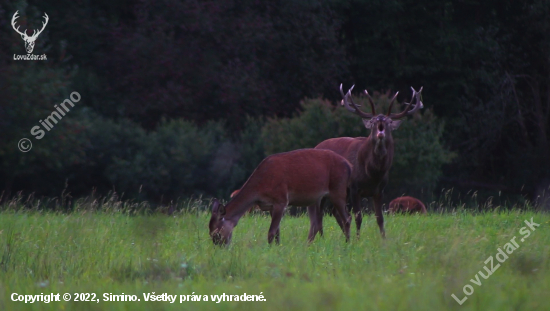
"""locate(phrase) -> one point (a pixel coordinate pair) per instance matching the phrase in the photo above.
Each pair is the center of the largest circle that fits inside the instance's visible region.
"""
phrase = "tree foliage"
(151, 71)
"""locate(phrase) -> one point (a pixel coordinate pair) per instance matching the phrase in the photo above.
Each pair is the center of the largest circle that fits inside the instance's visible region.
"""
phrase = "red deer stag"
(407, 205)
(301, 177)
(371, 157)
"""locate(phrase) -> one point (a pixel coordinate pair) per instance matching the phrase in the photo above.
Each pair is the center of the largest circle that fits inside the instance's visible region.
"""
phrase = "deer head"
(220, 229)
(29, 40)
(381, 125)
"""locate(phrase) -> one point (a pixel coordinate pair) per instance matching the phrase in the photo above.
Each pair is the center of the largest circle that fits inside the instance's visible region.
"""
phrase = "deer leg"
(313, 228)
(338, 217)
(274, 232)
(320, 212)
(377, 200)
(340, 209)
(356, 206)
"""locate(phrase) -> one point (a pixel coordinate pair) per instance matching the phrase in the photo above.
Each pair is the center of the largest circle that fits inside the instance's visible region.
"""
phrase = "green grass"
(421, 263)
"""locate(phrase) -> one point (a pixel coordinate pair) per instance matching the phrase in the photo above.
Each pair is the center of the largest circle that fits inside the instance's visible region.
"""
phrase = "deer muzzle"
(381, 134)
(380, 131)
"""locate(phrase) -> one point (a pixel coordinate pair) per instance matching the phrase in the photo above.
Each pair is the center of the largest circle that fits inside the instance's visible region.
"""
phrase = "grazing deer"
(371, 157)
(301, 177)
(407, 205)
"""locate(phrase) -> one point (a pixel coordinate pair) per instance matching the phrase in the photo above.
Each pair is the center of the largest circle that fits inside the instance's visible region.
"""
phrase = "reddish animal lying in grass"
(301, 178)
(408, 205)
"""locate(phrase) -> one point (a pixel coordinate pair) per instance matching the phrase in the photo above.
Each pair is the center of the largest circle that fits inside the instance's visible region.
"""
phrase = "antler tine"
(417, 106)
(346, 98)
(355, 109)
(342, 91)
(391, 103)
(371, 102)
(13, 23)
(344, 101)
(419, 102)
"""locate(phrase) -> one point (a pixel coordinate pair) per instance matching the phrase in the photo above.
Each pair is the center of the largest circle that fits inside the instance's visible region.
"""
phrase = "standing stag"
(408, 205)
(371, 157)
(301, 178)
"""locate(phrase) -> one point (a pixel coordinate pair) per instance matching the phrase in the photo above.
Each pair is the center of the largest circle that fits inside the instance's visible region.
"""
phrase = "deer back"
(407, 205)
(298, 174)
(298, 177)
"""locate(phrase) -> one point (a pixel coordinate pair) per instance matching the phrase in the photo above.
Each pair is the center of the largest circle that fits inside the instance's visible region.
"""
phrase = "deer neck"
(380, 149)
(378, 153)
(238, 206)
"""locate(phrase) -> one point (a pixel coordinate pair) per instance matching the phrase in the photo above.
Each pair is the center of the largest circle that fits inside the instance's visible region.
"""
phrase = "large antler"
(347, 100)
(406, 112)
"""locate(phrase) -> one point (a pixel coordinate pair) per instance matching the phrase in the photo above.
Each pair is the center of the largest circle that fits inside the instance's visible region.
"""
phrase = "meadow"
(423, 261)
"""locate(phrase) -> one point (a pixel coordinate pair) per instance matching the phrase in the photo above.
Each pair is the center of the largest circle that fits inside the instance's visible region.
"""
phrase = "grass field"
(421, 263)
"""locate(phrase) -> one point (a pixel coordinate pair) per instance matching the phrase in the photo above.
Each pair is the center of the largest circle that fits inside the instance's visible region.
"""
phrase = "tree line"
(186, 97)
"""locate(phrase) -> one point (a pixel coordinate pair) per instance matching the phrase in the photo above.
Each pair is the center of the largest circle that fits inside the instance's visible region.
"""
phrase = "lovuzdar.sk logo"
(29, 40)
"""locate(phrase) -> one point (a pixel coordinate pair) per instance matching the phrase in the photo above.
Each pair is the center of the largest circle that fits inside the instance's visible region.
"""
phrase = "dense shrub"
(21, 108)
(175, 160)
(86, 151)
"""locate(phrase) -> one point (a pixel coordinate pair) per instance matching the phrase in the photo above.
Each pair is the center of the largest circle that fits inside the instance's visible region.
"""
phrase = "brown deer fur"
(371, 157)
(234, 193)
(301, 178)
(408, 205)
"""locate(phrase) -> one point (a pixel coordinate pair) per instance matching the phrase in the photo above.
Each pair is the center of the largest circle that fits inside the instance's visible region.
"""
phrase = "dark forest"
(184, 98)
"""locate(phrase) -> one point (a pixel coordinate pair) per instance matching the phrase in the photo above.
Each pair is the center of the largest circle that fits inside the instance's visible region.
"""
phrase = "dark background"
(184, 98)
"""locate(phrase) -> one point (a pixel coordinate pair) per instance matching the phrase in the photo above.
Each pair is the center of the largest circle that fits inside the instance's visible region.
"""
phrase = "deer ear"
(395, 124)
(367, 123)
(215, 206)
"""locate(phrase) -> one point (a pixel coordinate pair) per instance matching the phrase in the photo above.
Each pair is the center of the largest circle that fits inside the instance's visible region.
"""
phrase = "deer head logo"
(29, 40)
